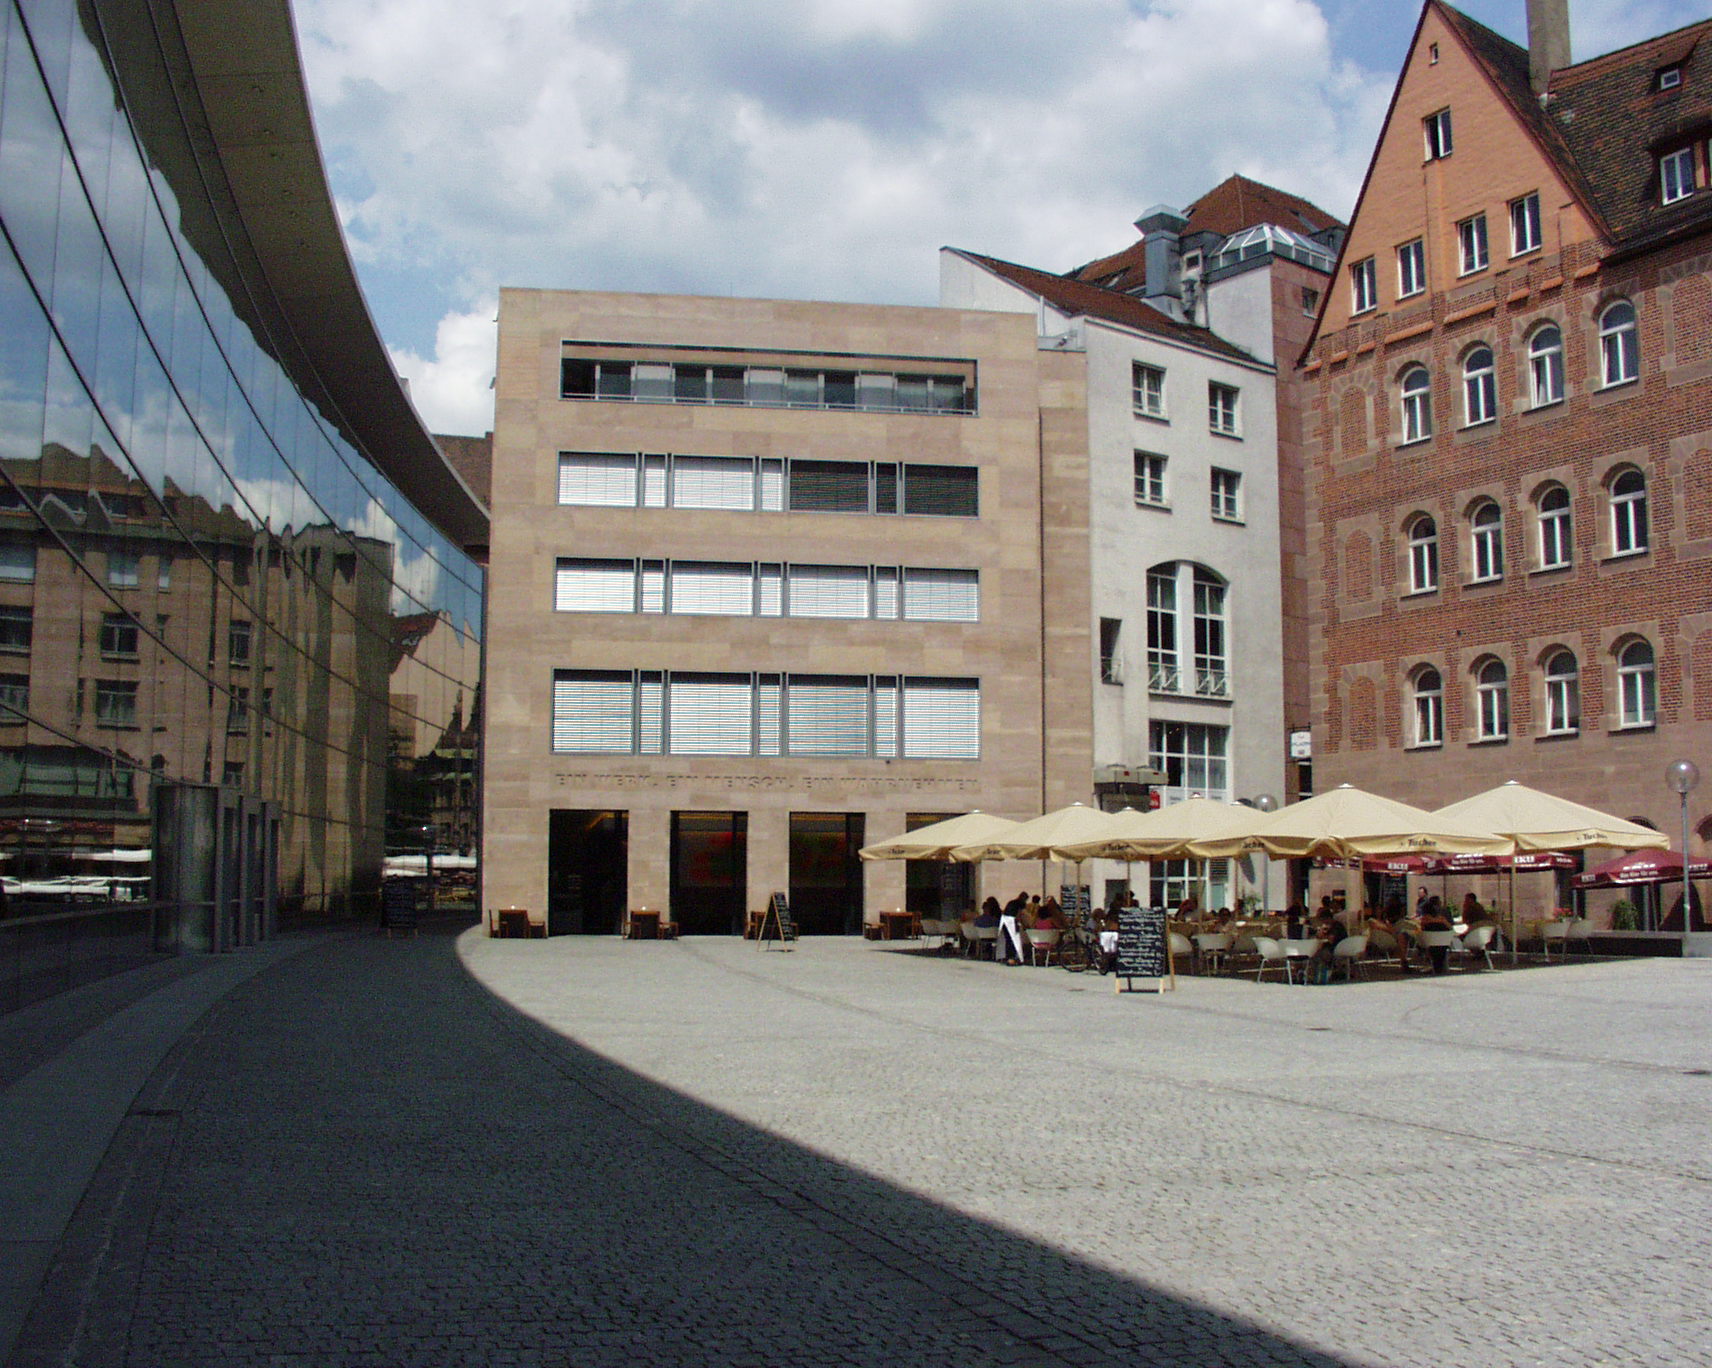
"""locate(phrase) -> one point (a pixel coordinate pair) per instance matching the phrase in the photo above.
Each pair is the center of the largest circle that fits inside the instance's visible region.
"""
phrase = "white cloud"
(758, 147)
(453, 388)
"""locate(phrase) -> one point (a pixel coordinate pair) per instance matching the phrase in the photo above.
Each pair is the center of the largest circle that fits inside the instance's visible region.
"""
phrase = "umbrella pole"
(1515, 917)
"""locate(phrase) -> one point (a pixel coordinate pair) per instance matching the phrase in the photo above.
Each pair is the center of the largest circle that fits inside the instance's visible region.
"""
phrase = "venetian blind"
(828, 591)
(827, 715)
(713, 482)
(595, 586)
(721, 587)
(942, 719)
(593, 710)
(942, 595)
(600, 478)
(710, 714)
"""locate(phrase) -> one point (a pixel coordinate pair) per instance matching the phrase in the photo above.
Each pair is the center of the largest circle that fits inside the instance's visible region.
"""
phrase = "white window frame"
(1411, 268)
(1676, 175)
(1637, 685)
(1563, 694)
(1164, 653)
(1555, 528)
(1437, 135)
(1210, 634)
(1479, 387)
(1630, 531)
(1486, 543)
(1223, 411)
(1423, 555)
(1147, 389)
(1545, 366)
(1150, 468)
(1363, 286)
(1619, 344)
(1471, 245)
(1428, 701)
(1225, 491)
(1416, 391)
(1492, 701)
(1525, 224)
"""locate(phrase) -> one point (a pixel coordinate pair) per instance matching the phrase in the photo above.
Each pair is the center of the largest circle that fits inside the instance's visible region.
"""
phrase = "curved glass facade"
(237, 664)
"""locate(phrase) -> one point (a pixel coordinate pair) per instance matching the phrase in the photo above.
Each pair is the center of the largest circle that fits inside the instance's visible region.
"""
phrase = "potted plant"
(1623, 915)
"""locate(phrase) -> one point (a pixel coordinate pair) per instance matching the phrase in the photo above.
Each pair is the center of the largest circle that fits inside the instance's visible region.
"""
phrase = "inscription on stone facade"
(756, 783)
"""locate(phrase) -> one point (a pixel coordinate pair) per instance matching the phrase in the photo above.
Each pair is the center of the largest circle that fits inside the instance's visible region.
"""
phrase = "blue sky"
(818, 148)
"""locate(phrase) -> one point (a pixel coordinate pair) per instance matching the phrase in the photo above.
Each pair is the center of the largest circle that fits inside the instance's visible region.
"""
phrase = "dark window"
(840, 389)
(238, 642)
(14, 697)
(828, 487)
(118, 635)
(115, 703)
(946, 491)
(886, 487)
(16, 628)
(1111, 664)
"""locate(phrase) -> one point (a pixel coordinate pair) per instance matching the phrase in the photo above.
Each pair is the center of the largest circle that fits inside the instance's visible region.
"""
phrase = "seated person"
(1474, 911)
(989, 913)
(1051, 918)
(1328, 930)
(1433, 918)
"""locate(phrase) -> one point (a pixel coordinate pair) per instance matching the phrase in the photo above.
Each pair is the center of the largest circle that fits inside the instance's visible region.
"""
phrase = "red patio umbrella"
(1642, 867)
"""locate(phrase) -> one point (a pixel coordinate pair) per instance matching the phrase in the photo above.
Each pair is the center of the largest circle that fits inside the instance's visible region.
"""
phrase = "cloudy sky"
(818, 148)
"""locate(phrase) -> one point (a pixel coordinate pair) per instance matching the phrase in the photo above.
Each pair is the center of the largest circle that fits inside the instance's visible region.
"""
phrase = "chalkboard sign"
(1073, 900)
(1142, 943)
(776, 922)
(398, 899)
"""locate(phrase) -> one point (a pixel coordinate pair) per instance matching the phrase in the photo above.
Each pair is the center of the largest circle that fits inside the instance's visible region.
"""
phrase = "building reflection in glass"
(226, 639)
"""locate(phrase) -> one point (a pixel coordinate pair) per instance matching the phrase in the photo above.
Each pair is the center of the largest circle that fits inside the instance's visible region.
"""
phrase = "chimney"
(1161, 230)
(1548, 41)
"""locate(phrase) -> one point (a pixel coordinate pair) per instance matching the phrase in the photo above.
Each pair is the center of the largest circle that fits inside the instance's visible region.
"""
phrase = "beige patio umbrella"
(1543, 821)
(1168, 833)
(1043, 837)
(938, 841)
(1346, 823)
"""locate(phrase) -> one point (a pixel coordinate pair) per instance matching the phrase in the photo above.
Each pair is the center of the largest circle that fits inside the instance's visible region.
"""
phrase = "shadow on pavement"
(362, 1157)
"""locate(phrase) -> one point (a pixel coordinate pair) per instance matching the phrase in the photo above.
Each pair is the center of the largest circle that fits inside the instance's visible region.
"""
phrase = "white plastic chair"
(979, 936)
(1578, 932)
(1440, 940)
(1385, 943)
(1478, 941)
(1042, 942)
(1554, 931)
(935, 926)
(1301, 949)
(1214, 947)
(1179, 944)
(1271, 952)
(1347, 954)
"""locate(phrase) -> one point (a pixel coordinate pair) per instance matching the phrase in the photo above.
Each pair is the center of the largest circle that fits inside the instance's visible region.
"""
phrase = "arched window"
(1545, 366)
(1428, 691)
(1637, 688)
(1417, 388)
(1211, 679)
(1486, 534)
(1479, 387)
(1629, 512)
(1554, 524)
(1619, 344)
(1492, 700)
(1563, 694)
(1423, 555)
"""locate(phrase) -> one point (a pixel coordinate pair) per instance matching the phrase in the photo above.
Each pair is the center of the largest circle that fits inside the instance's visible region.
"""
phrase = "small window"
(1411, 269)
(238, 636)
(1471, 244)
(1226, 495)
(1486, 537)
(1545, 366)
(1563, 694)
(1436, 129)
(123, 569)
(1479, 387)
(1221, 408)
(1310, 301)
(115, 703)
(1148, 383)
(1629, 530)
(1423, 555)
(1150, 479)
(1417, 395)
(1363, 286)
(1667, 78)
(238, 713)
(1619, 344)
(1492, 701)
(1111, 663)
(119, 636)
(1676, 175)
(18, 562)
(1428, 691)
(1636, 685)
(1525, 224)
(14, 697)
(1555, 528)
(17, 628)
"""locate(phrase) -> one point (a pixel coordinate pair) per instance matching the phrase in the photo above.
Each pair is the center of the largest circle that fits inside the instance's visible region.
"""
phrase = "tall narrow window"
(1629, 532)
(1486, 534)
(1479, 387)
(1221, 408)
(1525, 224)
(1492, 699)
(1619, 344)
(1676, 175)
(1411, 269)
(1148, 387)
(1111, 662)
(1423, 555)
(1162, 669)
(1545, 366)
(1226, 495)
(1563, 694)
(1417, 391)
(1363, 286)
(1471, 244)
(1636, 685)
(1436, 130)
(1211, 677)
(1428, 697)
(1150, 479)
(1555, 528)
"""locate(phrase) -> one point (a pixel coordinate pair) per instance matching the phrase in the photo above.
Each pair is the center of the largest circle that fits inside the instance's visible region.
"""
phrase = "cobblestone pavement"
(588, 1152)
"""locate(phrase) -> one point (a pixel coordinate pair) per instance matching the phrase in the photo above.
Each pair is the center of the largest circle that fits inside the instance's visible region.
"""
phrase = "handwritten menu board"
(1142, 943)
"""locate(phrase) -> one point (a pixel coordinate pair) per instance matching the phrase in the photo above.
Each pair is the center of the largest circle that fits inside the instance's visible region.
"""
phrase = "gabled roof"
(1230, 206)
(1081, 300)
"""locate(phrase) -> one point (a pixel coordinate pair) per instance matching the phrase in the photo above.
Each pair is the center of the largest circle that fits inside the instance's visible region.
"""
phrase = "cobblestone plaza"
(439, 1151)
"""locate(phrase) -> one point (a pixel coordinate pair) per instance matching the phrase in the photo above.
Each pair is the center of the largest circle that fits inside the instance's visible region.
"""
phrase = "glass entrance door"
(710, 872)
(588, 871)
(826, 873)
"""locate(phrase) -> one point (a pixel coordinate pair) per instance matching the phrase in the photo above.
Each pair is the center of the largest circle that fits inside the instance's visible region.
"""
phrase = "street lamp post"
(1682, 776)
(1265, 802)
(428, 862)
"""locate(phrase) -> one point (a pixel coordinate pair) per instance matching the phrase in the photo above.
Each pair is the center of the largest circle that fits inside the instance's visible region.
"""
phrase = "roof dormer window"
(1676, 175)
(1667, 78)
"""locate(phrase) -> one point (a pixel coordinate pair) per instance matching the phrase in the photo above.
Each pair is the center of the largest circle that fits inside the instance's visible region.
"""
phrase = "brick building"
(1510, 539)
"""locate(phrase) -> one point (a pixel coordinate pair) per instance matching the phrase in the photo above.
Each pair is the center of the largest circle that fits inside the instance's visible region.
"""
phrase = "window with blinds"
(599, 478)
(653, 586)
(594, 710)
(943, 491)
(769, 715)
(886, 715)
(942, 719)
(770, 590)
(942, 595)
(886, 591)
(710, 714)
(713, 482)
(827, 591)
(654, 481)
(595, 586)
(827, 715)
(651, 722)
(718, 587)
(828, 486)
